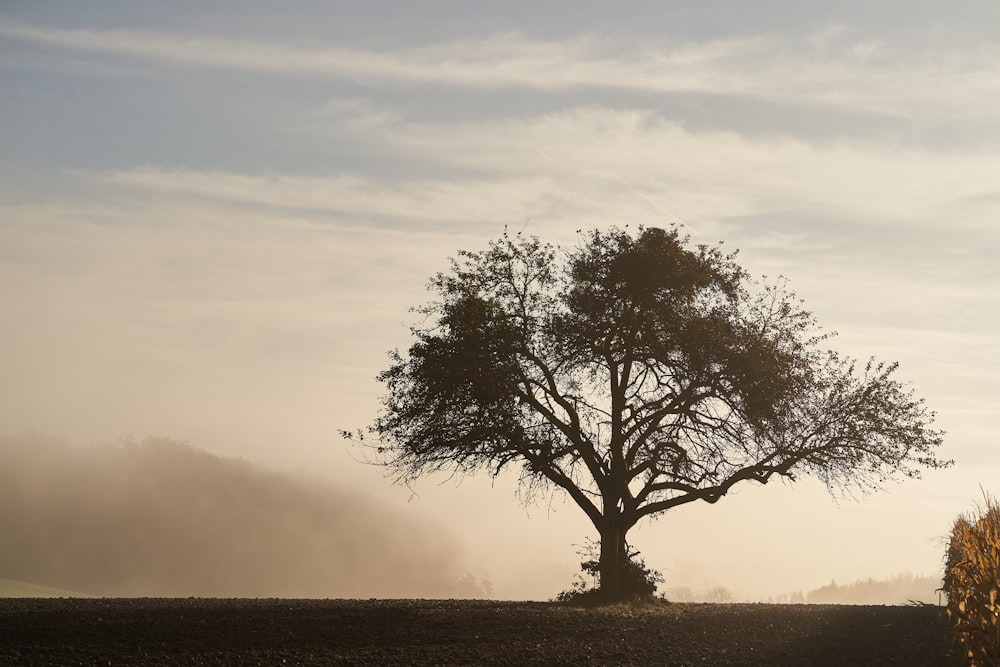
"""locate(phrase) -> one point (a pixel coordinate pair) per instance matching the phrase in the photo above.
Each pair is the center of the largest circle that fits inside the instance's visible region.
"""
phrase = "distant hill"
(161, 518)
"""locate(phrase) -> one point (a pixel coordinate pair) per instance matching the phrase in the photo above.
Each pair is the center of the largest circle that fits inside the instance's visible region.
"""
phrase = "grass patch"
(10, 588)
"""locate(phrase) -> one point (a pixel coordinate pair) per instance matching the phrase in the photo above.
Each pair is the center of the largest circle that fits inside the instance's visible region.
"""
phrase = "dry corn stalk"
(972, 584)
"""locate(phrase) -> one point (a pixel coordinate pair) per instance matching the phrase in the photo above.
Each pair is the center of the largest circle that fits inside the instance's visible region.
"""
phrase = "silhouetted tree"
(637, 374)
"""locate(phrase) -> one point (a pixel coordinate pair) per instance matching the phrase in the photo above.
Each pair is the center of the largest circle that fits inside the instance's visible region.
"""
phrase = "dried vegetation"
(972, 584)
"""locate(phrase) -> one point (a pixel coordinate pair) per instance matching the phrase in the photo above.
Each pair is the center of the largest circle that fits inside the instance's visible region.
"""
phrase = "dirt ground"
(199, 631)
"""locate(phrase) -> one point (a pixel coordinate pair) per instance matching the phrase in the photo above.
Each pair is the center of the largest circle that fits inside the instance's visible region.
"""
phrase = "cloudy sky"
(214, 218)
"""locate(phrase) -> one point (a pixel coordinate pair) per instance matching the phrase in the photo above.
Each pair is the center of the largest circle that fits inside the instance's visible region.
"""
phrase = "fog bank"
(161, 518)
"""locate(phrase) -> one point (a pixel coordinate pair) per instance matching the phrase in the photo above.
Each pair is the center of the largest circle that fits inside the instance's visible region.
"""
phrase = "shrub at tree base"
(639, 583)
(972, 584)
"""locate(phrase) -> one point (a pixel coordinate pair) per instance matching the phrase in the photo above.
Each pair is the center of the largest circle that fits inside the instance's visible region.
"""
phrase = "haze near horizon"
(213, 222)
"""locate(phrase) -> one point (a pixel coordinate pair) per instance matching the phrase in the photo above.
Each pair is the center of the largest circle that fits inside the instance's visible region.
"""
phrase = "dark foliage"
(636, 374)
(639, 582)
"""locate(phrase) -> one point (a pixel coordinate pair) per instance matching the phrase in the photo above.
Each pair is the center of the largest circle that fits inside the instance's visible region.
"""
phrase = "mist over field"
(160, 518)
(215, 219)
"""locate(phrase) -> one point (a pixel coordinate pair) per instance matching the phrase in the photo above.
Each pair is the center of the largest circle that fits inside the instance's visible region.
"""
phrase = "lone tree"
(637, 374)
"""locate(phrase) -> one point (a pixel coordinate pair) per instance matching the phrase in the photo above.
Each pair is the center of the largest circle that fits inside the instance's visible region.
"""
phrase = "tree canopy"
(636, 373)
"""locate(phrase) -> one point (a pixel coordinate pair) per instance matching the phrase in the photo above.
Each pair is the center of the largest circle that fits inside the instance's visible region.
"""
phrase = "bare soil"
(201, 631)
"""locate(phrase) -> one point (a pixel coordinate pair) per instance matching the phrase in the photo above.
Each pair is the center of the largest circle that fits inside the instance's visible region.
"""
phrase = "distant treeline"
(688, 594)
(901, 589)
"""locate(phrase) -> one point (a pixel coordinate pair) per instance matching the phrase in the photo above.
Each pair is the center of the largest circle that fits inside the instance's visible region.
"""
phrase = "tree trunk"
(613, 562)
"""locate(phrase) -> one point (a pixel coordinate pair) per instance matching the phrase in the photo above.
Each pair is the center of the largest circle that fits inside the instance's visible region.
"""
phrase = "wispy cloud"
(491, 172)
(417, 199)
(874, 220)
(827, 68)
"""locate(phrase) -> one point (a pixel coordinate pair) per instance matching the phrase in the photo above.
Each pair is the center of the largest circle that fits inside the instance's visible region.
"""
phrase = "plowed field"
(201, 631)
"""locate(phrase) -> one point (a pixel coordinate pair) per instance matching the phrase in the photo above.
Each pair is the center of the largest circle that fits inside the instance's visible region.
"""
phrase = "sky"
(215, 217)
